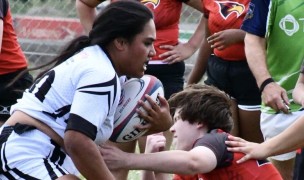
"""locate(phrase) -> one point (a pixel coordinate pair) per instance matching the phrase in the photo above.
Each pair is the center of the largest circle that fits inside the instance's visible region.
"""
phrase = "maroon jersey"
(227, 168)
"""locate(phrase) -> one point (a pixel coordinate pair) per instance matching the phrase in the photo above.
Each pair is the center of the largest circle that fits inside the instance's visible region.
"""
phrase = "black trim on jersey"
(79, 124)
(50, 170)
(22, 175)
(57, 154)
(112, 82)
(59, 112)
(215, 141)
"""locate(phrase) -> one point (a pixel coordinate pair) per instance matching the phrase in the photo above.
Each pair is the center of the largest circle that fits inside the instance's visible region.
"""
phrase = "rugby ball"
(126, 117)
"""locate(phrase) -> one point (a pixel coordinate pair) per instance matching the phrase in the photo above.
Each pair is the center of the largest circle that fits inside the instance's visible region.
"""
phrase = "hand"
(250, 149)
(225, 38)
(158, 115)
(177, 53)
(155, 143)
(276, 97)
(113, 157)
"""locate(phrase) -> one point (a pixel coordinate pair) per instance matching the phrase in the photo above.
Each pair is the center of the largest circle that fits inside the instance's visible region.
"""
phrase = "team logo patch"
(155, 3)
(227, 8)
(250, 11)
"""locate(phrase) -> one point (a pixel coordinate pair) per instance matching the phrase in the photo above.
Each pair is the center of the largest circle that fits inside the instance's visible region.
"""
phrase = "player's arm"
(200, 65)
(273, 95)
(298, 92)
(86, 156)
(196, 4)
(199, 160)
(182, 51)
(290, 139)
(87, 13)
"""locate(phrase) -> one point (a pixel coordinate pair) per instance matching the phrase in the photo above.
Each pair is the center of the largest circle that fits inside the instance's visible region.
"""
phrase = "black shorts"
(9, 95)
(171, 75)
(235, 78)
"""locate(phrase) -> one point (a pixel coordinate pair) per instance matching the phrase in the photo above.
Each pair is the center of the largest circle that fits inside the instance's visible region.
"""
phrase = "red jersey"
(11, 56)
(221, 15)
(227, 168)
(166, 17)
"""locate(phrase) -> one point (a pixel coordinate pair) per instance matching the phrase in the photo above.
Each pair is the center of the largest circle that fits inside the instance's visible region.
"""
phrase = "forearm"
(298, 92)
(240, 35)
(86, 13)
(201, 62)
(196, 39)
(196, 4)
(163, 162)
(86, 157)
(256, 57)
(289, 140)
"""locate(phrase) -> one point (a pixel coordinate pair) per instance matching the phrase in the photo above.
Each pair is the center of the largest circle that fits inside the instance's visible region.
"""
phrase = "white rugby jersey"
(81, 94)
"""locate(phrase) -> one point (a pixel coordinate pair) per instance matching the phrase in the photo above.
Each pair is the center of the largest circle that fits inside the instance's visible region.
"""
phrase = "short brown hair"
(203, 104)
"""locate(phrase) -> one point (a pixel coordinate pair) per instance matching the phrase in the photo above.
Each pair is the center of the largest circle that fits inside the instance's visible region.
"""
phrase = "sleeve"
(216, 142)
(92, 103)
(3, 8)
(255, 21)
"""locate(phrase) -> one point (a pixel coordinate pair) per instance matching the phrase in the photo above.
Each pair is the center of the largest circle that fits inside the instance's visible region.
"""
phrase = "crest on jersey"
(154, 3)
(228, 7)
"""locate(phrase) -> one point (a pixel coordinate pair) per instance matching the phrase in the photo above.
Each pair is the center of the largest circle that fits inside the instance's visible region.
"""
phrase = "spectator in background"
(168, 62)
(222, 57)
(12, 62)
(274, 50)
(54, 130)
(202, 121)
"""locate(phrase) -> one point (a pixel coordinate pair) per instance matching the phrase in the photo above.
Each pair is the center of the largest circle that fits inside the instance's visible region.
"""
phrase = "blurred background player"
(267, 45)
(222, 57)
(12, 62)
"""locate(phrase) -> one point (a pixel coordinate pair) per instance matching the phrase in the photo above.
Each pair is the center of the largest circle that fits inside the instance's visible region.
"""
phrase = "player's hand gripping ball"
(126, 117)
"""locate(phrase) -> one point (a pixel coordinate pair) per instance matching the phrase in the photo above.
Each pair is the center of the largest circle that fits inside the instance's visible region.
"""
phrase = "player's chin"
(137, 74)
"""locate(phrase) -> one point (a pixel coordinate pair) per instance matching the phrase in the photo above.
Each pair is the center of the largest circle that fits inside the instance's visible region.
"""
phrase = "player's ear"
(120, 43)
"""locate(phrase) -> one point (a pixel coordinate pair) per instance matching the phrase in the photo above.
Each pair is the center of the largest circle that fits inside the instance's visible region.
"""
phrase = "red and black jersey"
(221, 15)
(227, 168)
(166, 17)
(11, 56)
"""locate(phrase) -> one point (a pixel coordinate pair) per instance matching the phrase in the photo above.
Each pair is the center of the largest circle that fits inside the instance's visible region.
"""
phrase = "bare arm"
(87, 13)
(196, 4)
(200, 65)
(273, 95)
(298, 92)
(182, 51)
(289, 140)
(86, 156)
(198, 160)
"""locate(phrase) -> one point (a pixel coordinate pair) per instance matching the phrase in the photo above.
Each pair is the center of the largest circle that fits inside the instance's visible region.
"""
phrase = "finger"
(211, 38)
(153, 103)
(220, 47)
(143, 127)
(243, 159)
(234, 138)
(170, 47)
(282, 107)
(285, 98)
(167, 54)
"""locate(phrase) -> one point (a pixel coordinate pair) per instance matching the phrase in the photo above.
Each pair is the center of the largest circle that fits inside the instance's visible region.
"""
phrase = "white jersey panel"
(85, 85)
